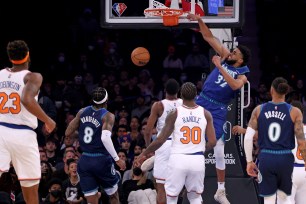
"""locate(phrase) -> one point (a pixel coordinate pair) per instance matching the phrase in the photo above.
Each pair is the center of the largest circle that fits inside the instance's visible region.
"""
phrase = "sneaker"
(220, 197)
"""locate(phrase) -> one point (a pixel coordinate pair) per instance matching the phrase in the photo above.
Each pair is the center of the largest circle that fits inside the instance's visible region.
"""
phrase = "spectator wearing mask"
(55, 195)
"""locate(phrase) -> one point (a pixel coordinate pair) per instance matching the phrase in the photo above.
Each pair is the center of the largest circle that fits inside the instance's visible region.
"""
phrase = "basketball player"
(159, 112)
(221, 85)
(96, 165)
(19, 110)
(277, 122)
(299, 173)
(188, 124)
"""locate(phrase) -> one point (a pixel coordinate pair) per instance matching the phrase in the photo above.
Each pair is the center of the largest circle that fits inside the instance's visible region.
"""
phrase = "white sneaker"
(220, 197)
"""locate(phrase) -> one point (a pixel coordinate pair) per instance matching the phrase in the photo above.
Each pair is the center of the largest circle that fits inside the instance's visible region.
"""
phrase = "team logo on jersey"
(119, 8)
(275, 107)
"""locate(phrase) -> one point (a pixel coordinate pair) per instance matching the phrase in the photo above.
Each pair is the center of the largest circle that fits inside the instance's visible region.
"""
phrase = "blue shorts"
(218, 112)
(275, 173)
(96, 171)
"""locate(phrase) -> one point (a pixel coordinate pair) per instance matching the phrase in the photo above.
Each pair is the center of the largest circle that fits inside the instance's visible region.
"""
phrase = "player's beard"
(230, 61)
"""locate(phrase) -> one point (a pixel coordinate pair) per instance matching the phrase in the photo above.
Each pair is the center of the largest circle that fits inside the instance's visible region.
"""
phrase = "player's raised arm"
(208, 36)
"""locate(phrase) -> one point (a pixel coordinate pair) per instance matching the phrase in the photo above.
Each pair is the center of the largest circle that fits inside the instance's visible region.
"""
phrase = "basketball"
(140, 56)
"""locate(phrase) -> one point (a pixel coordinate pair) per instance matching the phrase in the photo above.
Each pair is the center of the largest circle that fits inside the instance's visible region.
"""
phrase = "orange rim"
(170, 16)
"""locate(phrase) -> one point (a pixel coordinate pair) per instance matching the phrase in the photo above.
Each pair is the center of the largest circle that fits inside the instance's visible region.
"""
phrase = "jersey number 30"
(14, 108)
(191, 135)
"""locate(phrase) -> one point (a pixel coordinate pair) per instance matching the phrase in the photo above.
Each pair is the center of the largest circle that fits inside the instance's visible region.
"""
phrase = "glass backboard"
(130, 13)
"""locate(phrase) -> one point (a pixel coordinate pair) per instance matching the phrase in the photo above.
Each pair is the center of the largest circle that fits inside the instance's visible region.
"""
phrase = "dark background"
(45, 26)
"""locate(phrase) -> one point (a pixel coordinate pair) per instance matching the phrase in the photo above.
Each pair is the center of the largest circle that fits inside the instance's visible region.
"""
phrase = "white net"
(158, 9)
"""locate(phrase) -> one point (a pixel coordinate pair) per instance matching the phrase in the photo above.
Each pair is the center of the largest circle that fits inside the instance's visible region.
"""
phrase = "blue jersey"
(275, 127)
(90, 130)
(215, 86)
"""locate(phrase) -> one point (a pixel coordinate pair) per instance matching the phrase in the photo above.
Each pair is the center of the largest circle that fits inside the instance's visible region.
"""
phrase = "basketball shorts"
(20, 147)
(161, 162)
(275, 172)
(298, 185)
(188, 170)
(218, 112)
(95, 171)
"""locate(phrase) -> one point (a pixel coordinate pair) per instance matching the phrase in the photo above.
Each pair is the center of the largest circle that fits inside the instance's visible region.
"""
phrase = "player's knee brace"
(194, 198)
(219, 155)
(29, 183)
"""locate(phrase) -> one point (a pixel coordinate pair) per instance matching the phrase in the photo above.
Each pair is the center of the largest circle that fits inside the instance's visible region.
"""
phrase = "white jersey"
(11, 109)
(169, 105)
(297, 155)
(189, 130)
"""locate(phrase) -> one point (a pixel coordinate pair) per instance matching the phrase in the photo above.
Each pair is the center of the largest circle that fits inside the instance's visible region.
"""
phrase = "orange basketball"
(140, 56)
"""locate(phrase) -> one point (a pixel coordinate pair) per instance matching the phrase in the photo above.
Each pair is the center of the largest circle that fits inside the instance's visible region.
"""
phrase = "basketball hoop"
(170, 16)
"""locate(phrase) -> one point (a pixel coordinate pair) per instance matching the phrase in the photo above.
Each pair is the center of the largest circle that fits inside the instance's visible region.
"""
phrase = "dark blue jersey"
(275, 127)
(215, 86)
(90, 130)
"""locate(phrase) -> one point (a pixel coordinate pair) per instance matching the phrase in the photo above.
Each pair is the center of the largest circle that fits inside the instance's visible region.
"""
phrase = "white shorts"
(188, 170)
(161, 161)
(20, 146)
(298, 195)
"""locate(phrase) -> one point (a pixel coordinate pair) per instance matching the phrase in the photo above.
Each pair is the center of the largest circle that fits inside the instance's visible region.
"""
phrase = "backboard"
(130, 13)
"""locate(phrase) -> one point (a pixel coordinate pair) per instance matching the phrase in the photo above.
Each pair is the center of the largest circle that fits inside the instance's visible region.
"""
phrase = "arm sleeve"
(248, 143)
(107, 142)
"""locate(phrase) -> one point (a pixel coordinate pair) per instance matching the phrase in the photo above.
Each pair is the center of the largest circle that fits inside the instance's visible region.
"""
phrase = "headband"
(22, 60)
(103, 100)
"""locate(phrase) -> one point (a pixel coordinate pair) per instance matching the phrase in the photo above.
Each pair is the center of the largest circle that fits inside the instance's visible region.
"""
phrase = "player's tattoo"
(298, 129)
(253, 120)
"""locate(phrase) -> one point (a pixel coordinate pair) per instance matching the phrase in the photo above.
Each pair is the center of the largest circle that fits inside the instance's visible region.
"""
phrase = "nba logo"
(119, 8)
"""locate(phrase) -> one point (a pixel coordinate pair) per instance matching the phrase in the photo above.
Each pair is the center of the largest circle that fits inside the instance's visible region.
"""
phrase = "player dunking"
(299, 173)
(188, 124)
(277, 122)
(220, 87)
(96, 165)
(19, 110)
(159, 112)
